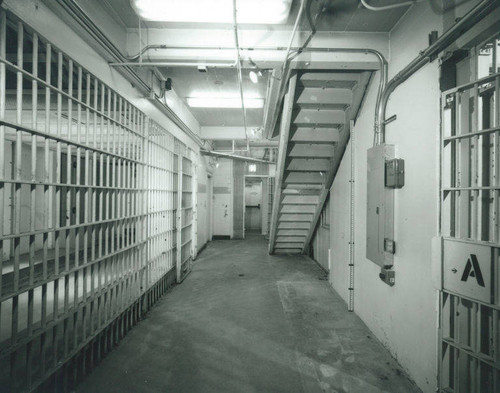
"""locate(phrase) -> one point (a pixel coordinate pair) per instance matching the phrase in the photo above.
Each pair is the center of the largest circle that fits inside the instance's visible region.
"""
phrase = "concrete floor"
(244, 321)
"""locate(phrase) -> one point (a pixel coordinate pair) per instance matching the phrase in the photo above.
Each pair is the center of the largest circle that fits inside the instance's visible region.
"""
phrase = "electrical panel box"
(395, 173)
(380, 245)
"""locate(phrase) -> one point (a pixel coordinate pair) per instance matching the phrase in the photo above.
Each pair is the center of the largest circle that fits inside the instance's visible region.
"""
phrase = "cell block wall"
(89, 213)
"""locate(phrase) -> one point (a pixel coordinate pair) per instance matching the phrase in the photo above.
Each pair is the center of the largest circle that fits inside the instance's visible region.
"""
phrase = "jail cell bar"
(470, 208)
(185, 201)
(87, 211)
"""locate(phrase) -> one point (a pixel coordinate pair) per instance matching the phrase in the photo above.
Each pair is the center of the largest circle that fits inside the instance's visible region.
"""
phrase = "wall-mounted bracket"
(388, 276)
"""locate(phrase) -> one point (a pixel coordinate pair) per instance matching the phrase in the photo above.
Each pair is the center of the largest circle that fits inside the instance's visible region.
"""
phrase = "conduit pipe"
(172, 64)
(294, 31)
(380, 57)
(387, 7)
(261, 143)
(131, 60)
(219, 48)
(233, 157)
(352, 222)
(468, 20)
(240, 78)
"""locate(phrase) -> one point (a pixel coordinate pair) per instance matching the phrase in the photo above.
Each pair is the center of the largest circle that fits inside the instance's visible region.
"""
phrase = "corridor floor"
(245, 321)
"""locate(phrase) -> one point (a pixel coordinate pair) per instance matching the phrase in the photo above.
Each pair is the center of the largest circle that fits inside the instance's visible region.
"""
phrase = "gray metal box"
(395, 173)
(380, 209)
(388, 276)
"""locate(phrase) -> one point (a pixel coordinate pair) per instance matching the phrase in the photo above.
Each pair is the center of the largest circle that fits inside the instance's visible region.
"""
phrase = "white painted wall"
(403, 317)
(203, 201)
(321, 239)
(223, 199)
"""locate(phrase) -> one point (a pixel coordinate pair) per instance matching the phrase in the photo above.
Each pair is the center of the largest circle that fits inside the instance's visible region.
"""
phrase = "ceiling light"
(255, 75)
(224, 102)
(214, 11)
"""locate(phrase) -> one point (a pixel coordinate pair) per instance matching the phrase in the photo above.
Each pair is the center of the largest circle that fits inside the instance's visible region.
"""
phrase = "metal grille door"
(470, 207)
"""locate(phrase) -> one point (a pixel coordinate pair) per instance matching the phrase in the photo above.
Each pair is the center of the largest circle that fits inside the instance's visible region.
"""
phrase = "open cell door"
(469, 333)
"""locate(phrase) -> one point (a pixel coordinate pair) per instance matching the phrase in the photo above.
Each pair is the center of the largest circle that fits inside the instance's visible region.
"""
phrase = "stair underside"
(321, 109)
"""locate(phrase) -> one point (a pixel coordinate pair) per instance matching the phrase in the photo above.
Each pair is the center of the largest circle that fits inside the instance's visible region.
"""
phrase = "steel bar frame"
(88, 208)
(469, 333)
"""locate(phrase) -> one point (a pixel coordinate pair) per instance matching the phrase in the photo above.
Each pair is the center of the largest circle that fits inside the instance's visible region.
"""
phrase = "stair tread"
(323, 102)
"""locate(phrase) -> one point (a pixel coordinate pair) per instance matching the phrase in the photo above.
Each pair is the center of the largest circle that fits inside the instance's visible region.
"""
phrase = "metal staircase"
(314, 130)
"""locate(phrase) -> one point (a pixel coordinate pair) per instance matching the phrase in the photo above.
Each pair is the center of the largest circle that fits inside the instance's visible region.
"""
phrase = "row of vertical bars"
(88, 213)
(471, 158)
(470, 207)
(470, 345)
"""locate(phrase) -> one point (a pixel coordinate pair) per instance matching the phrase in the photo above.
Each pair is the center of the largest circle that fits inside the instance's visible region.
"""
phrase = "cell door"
(469, 333)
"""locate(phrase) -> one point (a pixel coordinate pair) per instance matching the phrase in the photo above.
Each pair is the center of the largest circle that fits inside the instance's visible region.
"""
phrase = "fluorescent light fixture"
(224, 102)
(213, 11)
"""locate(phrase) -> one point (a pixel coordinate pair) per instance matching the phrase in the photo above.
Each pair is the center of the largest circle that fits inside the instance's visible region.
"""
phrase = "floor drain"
(241, 275)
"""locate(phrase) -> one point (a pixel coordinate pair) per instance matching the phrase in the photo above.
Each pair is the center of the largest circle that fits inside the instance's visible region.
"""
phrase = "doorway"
(253, 205)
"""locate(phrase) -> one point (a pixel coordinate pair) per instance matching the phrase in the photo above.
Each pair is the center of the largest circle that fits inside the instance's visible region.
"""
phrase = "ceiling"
(328, 16)
(189, 82)
(332, 15)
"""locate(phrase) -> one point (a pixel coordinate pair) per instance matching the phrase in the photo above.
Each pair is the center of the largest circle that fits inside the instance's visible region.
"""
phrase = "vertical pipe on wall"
(240, 79)
(194, 193)
(351, 224)
(3, 33)
(179, 218)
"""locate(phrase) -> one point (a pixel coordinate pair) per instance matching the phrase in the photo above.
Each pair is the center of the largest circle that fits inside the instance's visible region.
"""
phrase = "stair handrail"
(280, 162)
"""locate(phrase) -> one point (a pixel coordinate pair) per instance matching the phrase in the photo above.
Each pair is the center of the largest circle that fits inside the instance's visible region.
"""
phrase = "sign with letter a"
(467, 269)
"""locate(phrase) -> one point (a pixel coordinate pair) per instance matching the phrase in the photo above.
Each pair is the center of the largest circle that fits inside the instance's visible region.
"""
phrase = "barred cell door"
(469, 333)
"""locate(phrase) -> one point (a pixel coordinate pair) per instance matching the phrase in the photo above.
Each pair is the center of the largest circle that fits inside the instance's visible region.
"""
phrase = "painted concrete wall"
(203, 193)
(321, 239)
(223, 199)
(229, 176)
(403, 317)
(239, 168)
